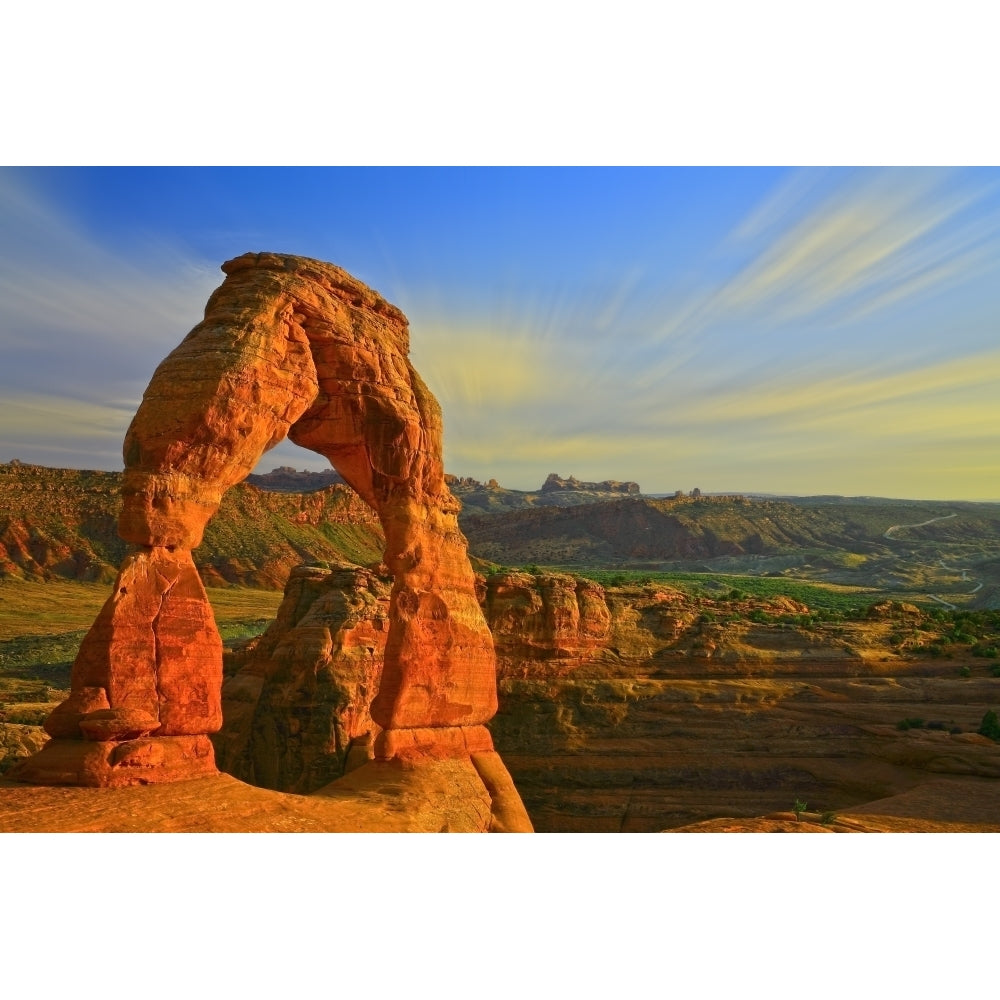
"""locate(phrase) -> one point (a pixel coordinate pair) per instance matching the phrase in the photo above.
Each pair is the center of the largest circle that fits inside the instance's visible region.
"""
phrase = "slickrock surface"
(289, 347)
(957, 805)
(437, 796)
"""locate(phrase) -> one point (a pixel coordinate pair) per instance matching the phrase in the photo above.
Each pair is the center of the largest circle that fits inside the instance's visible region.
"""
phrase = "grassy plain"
(42, 625)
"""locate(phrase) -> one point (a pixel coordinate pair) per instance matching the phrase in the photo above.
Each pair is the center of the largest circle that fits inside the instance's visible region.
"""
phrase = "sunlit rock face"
(297, 348)
(550, 617)
(297, 700)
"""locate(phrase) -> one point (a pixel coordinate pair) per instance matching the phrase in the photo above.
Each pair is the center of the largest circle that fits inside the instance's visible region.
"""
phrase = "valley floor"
(677, 750)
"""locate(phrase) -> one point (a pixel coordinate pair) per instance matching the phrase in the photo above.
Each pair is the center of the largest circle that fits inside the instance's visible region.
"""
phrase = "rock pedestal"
(297, 348)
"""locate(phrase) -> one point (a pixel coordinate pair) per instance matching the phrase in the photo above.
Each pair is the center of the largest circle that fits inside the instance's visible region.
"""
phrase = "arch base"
(150, 760)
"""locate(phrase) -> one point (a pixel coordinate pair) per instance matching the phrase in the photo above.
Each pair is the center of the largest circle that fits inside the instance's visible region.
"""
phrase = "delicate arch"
(288, 347)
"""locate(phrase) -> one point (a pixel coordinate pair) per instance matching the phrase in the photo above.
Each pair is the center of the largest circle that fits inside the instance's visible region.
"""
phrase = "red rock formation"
(546, 617)
(298, 348)
(296, 700)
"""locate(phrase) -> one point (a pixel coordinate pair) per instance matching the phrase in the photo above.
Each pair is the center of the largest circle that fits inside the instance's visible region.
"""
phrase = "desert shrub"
(27, 716)
(937, 725)
(989, 652)
(905, 724)
(990, 726)
(799, 808)
(995, 669)
(965, 671)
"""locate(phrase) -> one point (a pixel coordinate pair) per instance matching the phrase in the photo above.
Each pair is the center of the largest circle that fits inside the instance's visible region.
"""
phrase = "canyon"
(644, 706)
(641, 708)
(632, 700)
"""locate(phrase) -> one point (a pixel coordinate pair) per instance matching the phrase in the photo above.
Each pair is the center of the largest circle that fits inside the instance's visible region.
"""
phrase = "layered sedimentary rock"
(636, 707)
(289, 347)
(546, 617)
(297, 699)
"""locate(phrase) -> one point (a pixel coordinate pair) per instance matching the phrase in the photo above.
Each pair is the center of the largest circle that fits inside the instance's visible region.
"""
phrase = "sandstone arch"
(288, 347)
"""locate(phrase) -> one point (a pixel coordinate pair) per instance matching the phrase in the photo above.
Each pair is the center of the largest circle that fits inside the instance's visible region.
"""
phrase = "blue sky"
(761, 329)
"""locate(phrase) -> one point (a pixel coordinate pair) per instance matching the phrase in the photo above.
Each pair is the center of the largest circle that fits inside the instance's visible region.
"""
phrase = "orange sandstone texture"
(298, 348)
(296, 700)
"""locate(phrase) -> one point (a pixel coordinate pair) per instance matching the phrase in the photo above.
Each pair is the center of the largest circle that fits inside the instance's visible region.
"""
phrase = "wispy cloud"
(83, 326)
(809, 397)
(830, 248)
(859, 243)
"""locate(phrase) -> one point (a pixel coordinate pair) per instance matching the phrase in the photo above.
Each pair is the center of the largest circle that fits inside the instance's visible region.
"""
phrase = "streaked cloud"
(840, 338)
(83, 318)
(861, 240)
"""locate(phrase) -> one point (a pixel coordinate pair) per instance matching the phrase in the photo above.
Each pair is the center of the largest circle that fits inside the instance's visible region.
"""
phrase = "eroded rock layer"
(298, 348)
(297, 699)
(639, 707)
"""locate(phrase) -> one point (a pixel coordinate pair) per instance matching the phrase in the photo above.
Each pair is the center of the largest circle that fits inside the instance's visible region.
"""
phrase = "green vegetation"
(990, 726)
(905, 724)
(43, 624)
(822, 597)
(799, 808)
(25, 715)
(724, 598)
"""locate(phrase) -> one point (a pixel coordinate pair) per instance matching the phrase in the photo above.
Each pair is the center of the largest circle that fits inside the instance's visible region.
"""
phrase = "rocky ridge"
(554, 483)
(63, 523)
(492, 498)
(286, 479)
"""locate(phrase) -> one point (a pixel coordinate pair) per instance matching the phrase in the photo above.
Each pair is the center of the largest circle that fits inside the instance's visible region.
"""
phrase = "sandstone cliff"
(628, 708)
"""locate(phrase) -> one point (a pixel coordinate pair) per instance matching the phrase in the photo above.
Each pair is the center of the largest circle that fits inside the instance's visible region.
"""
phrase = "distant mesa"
(285, 479)
(556, 484)
(553, 484)
(468, 483)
